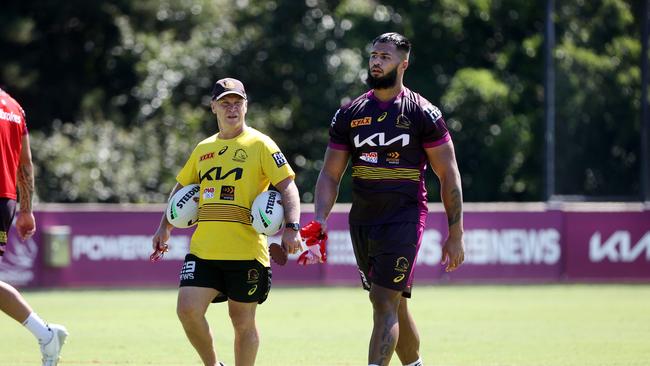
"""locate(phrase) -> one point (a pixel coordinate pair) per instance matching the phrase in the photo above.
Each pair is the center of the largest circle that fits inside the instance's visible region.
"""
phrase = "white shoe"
(52, 350)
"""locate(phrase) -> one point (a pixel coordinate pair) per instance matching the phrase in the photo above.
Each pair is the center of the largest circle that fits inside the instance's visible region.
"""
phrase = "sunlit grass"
(563, 325)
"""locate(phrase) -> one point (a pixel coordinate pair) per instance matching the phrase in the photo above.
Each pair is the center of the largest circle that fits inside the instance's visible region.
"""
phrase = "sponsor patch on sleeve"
(279, 159)
(433, 112)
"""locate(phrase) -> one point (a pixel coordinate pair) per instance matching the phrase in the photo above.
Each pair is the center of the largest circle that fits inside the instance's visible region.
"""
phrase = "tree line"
(117, 93)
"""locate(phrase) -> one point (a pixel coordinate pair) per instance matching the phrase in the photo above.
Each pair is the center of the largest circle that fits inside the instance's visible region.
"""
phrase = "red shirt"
(12, 130)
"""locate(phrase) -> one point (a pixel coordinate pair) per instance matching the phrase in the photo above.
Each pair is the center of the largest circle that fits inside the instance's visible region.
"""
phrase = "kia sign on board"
(607, 246)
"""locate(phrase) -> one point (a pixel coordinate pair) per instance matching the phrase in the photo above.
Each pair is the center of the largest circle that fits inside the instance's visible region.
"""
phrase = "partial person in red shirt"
(18, 174)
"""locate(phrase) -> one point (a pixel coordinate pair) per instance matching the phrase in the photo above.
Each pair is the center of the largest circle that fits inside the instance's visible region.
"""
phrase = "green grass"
(555, 325)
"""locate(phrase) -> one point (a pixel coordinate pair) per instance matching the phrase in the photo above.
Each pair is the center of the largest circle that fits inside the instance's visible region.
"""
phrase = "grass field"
(554, 325)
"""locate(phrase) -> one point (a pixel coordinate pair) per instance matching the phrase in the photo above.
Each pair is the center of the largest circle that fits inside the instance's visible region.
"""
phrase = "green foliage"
(133, 78)
(598, 61)
(483, 121)
(100, 162)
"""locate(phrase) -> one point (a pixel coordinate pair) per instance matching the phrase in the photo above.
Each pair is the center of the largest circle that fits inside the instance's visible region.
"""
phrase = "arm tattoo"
(455, 209)
(25, 184)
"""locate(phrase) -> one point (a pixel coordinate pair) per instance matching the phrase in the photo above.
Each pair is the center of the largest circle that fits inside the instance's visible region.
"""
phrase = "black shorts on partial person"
(386, 254)
(7, 212)
(244, 281)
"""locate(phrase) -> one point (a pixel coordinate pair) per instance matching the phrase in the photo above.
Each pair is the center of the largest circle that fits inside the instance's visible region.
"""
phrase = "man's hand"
(26, 225)
(291, 240)
(159, 243)
(453, 253)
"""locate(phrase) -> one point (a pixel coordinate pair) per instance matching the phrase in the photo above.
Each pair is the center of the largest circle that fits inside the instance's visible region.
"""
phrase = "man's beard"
(383, 82)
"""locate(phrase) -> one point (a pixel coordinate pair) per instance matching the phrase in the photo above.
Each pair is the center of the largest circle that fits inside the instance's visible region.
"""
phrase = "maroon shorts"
(7, 211)
(386, 254)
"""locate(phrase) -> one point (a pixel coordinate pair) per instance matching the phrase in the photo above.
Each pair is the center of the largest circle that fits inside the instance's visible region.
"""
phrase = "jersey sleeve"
(435, 131)
(189, 173)
(339, 131)
(274, 165)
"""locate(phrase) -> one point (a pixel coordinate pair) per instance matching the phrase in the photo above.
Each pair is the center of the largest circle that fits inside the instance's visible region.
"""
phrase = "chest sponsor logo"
(240, 156)
(206, 156)
(382, 117)
(279, 158)
(9, 116)
(225, 148)
(216, 173)
(403, 122)
(379, 139)
(370, 157)
(392, 157)
(208, 193)
(227, 193)
(361, 122)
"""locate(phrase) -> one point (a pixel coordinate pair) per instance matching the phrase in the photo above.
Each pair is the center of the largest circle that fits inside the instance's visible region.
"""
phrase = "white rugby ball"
(267, 213)
(183, 206)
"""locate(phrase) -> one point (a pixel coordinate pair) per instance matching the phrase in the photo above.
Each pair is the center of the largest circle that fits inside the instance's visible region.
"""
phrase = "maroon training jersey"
(386, 141)
(12, 129)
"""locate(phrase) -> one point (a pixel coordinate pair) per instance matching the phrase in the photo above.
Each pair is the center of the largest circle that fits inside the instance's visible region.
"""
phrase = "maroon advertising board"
(606, 247)
(103, 246)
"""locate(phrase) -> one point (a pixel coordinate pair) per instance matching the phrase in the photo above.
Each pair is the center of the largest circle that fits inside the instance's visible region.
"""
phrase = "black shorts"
(243, 281)
(386, 254)
(7, 212)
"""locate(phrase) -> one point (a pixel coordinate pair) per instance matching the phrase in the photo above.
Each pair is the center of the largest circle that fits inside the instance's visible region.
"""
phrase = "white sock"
(39, 329)
(418, 362)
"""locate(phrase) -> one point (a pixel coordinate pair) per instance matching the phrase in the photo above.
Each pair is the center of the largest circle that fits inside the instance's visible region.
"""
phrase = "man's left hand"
(26, 225)
(453, 253)
(291, 241)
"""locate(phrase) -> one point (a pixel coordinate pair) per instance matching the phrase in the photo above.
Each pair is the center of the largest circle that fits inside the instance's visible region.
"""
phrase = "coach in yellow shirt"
(228, 259)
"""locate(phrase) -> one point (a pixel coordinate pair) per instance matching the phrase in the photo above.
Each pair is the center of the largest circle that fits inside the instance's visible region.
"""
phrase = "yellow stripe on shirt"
(377, 173)
(224, 212)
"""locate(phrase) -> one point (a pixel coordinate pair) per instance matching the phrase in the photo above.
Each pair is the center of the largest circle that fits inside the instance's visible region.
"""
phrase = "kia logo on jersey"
(379, 139)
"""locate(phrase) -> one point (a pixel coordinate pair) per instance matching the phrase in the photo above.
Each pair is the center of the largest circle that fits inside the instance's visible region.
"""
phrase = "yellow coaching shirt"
(231, 174)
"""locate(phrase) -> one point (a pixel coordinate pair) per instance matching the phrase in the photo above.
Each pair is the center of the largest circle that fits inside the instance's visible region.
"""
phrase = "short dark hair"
(401, 43)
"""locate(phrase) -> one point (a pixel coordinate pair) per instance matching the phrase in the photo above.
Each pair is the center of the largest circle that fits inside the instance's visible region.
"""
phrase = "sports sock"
(39, 329)
(418, 362)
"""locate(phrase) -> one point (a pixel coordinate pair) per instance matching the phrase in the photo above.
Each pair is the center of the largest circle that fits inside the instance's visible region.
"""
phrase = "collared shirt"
(386, 141)
(231, 173)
